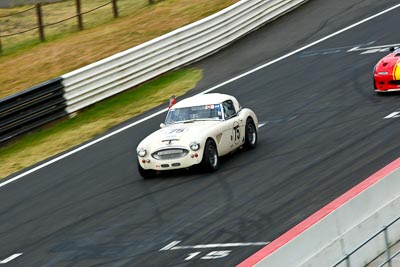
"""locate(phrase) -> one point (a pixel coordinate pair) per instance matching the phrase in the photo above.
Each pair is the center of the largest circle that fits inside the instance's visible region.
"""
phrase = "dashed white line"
(261, 124)
(206, 91)
(393, 115)
(380, 47)
(12, 257)
(222, 245)
(172, 245)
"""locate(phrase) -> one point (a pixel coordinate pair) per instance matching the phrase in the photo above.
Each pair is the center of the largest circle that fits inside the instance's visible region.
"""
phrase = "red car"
(387, 72)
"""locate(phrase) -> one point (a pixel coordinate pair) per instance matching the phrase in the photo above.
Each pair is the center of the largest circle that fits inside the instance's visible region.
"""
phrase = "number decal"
(216, 255)
(236, 132)
(209, 256)
(192, 255)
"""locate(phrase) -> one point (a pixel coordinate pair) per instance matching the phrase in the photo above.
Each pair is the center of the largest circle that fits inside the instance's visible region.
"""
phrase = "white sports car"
(198, 130)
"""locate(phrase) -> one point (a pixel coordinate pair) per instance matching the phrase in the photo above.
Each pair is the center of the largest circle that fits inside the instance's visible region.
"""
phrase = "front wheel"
(250, 141)
(146, 174)
(210, 161)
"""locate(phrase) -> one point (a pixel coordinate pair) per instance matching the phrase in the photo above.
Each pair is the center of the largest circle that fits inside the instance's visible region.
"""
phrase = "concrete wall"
(345, 228)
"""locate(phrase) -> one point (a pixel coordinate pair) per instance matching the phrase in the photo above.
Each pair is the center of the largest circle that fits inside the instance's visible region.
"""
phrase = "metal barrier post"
(348, 261)
(389, 260)
(387, 249)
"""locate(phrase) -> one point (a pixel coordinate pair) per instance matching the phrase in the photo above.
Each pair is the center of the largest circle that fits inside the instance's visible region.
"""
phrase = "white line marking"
(261, 124)
(206, 91)
(393, 115)
(13, 257)
(373, 51)
(359, 48)
(337, 48)
(192, 255)
(222, 245)
(170, 245)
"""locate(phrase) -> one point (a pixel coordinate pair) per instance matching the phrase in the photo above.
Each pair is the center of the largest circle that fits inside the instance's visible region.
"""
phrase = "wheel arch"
(251, 115)
(214, 141)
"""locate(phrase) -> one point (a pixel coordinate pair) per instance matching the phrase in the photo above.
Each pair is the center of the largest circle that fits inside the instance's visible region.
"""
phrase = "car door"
(232, 133)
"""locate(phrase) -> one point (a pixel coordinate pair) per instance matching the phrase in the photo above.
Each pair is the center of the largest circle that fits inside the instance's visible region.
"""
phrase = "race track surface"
(325, 131)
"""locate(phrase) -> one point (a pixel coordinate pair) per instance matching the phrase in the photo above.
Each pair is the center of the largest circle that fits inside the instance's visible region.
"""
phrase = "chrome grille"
(170, 153)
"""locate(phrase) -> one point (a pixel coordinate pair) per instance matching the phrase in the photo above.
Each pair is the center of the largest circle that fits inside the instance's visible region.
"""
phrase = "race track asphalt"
(325, 132)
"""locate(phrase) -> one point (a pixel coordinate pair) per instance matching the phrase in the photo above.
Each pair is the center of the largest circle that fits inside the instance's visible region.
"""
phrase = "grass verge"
(28, 63)
(67, 133)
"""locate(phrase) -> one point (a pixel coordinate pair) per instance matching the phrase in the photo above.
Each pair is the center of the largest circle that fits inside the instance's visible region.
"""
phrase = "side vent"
(219, 138)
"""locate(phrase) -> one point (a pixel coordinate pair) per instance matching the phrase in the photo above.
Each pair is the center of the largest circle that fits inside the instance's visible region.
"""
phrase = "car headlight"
(194, 146)
(383, 73)
(141, 152)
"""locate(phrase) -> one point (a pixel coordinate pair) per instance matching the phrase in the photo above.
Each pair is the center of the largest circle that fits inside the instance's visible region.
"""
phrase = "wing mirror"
(162, 125)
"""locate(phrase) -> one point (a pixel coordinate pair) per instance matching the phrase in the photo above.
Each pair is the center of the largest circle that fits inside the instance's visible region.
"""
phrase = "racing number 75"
(236, 132)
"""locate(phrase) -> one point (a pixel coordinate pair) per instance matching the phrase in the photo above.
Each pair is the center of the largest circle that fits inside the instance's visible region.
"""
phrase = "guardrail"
(127, 69)
(31, 108)
(389, 257)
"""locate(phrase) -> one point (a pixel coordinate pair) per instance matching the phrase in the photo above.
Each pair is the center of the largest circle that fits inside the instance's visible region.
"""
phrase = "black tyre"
(210, 161)
(250, 141)
(374, 85)
(146, 174)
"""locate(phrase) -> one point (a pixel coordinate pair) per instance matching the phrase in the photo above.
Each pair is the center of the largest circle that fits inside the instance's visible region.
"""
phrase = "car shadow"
(388, 94)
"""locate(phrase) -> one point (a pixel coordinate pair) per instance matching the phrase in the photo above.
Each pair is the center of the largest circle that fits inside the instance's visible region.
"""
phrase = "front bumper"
(387, 90)
(150, 163)
(385, 83)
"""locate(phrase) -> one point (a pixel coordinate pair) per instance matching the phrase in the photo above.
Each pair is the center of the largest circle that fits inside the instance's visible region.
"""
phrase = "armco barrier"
(31, 108)
(330, 234)
(124, 70)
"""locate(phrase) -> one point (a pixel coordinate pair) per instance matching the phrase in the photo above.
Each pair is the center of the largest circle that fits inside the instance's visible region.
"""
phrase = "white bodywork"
(169, 147)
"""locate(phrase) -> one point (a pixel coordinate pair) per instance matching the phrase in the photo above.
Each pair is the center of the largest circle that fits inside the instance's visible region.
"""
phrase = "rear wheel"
(210, 161)
(146, 174)
(250, 141)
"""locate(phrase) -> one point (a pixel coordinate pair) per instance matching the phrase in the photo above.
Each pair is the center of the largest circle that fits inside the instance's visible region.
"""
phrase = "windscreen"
(204, 112)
